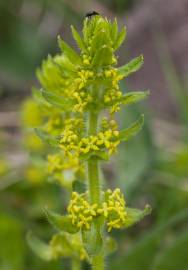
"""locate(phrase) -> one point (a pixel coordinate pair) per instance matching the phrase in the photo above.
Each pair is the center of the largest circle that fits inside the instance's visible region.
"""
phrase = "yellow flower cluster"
(63, 168)
(108, 139)
(83, 77)
(81, 96)
(72, 143)
(74, 123)
(69, 141)
(87, 58)
(57, 162)
(113, 93)
(81, 212)
(109, 124)
(54, 123)
(112, 209)
(70, 136)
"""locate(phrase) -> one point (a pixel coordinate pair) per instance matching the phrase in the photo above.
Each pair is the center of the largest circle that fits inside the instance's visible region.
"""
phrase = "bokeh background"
(151, 168)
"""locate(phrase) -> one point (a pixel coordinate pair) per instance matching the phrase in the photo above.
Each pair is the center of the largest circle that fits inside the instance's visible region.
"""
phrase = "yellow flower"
(116, 209)
(112, 209)
(81, 212)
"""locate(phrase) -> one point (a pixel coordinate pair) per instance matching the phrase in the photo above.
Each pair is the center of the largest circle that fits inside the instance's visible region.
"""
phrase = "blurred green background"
(151, 168)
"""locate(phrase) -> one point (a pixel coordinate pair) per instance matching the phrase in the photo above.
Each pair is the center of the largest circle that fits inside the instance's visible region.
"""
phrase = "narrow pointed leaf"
(135, 215)
(105, 59)
(133, 97)
(77, 38)
(57, 101)
(92, 240)
(120, 38)
(129, 98)
(61, 246)
(69, 52)
(100, 40)
(62, 223)
(114, 31)
(132, 130)
(38, 97)
(110, 245)
(41, 249)
(100, 155)
(132, 66)
(44, 136)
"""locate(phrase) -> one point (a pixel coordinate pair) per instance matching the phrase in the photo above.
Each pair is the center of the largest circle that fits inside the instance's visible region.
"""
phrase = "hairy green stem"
(97, 260)
(76, 264)
(93, 177)
(93, 166)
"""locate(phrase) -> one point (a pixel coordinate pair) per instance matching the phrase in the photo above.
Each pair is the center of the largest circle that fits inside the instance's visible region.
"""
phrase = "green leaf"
(114, 31)
(58, 101)
(61, 246)
(100, 155)
(69, 52)
(60, 222)
(110, 245)
(132, 66)
(135, 215)
(100, 39)
(38, 97)
(41, 249)
(130, 98)
(120, 38)
(92, 240)
(66, 245)
(103, 57)
(77, 38)
(127, 133)
(133, 97)
(44, 136)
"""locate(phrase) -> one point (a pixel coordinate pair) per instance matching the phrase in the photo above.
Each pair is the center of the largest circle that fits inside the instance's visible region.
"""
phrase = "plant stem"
(97, 261)
(93, 177)
(93, 166)
(76, 264)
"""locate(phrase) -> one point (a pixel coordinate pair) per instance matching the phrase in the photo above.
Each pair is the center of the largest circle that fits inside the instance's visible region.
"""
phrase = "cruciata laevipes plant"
(83, 94)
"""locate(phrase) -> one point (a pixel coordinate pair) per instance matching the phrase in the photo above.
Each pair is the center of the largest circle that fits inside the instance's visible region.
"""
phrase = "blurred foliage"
(119, 6)
(154, 249)
(12, 251)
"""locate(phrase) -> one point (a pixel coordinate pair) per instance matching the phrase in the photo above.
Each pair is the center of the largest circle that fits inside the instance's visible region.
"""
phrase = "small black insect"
(91, 14)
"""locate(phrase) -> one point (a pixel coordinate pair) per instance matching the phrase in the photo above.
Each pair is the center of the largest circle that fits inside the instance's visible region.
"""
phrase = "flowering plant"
(80, 94)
